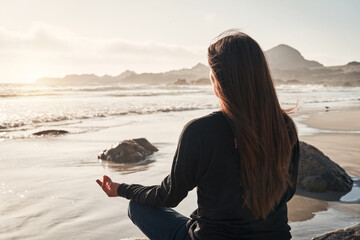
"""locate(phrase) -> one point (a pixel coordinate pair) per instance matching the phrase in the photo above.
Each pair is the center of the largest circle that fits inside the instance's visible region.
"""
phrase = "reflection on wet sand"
(127, 168)
(304, 205)
(303, 208)
(326, 196)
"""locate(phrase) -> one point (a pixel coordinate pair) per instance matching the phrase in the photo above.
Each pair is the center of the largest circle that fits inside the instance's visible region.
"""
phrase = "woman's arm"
(183, 177)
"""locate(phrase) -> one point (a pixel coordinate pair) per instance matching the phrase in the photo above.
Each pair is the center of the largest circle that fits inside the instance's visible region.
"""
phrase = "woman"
(242, 159)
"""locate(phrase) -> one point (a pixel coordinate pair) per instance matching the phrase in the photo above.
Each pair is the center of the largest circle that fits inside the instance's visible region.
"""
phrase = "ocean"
(27, 108)
(47, 183)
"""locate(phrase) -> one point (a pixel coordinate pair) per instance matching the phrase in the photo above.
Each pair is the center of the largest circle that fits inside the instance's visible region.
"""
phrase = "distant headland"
(287, 66)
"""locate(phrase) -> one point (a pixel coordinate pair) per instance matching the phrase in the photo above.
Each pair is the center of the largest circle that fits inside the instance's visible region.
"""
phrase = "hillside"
(286, 57)
(82, 79)
(191, 74)
(287, 66)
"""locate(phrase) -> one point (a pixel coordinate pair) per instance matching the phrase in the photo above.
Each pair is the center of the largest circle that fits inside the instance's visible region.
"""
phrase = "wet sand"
(48, 187)
(302, 208)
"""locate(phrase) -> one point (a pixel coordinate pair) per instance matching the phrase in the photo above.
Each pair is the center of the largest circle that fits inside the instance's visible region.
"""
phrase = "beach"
(311, 216)
(335, 140)
(48, 187)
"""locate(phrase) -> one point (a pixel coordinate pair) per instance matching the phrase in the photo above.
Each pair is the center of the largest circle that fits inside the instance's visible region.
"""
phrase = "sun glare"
(30, 74)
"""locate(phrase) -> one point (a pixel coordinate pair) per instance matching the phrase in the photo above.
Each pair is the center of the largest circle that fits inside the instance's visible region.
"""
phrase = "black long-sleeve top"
(206, 158)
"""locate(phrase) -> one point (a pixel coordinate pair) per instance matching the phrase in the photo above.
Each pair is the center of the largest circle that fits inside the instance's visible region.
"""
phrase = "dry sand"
(342, 148)
(348, 120)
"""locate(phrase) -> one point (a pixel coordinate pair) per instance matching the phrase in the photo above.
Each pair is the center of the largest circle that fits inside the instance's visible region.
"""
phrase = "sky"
(42, 38)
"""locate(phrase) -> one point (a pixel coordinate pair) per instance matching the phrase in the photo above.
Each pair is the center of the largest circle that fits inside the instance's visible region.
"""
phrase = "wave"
(313, 88)
(92, 89)
(150, 94)
(115, 91)
(50, 92)
(333, 100)
(325, 100)
(36, 121)
(27, 95)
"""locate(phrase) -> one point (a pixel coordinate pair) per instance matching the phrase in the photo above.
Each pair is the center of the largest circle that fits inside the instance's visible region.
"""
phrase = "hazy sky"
(54, 38)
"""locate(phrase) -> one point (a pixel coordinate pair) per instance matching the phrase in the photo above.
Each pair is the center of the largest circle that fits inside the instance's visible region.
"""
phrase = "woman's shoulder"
(205, 122)
(210, 128)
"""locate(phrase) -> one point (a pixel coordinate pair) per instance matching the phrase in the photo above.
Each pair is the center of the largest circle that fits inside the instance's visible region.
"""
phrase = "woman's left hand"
(109, 187)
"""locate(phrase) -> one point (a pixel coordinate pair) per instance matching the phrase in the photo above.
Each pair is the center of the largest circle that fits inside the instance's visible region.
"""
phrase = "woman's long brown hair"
(264, 133)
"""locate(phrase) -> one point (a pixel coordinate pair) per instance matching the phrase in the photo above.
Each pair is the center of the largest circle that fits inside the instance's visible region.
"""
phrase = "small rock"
(317, 173)
(128, 151)
(350, 233)
(51, 132)
(134, 239)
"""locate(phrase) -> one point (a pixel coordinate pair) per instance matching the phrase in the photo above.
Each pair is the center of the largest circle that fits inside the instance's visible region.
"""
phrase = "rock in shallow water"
(51, 132)
(350, 233)
(128, 151)
(317, 173)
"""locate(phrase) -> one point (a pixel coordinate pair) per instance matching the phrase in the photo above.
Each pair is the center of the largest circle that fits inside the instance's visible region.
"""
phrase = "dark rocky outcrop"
(128, 151)
(181, 82)
(200, 81)
(134, 239)
(50, 132)
(350, 233)
(317, 173)
(353, 63)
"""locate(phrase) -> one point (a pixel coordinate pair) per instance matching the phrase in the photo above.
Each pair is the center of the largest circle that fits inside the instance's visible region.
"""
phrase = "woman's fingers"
(109, 187)
(107, 179)
(107, 182)
(99, 182)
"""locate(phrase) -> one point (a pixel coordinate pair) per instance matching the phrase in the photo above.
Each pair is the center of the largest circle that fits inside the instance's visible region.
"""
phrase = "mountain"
(286, 57)
(83, 79)
(191, 74)
(287, 66)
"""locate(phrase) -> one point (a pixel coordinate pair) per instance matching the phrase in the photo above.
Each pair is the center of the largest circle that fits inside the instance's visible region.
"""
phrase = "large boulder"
(350, 233)
(128, 151)
(317, 173)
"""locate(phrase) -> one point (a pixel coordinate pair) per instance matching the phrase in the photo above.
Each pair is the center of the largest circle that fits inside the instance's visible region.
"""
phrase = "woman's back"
(221, 211)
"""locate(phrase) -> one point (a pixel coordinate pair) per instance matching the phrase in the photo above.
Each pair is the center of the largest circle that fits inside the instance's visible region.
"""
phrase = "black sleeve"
(183, 177)
(293, 169)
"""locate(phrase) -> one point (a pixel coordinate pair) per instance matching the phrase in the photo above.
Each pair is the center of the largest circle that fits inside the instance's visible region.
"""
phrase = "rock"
(353, 63)
(134, 239)
(146, 144)
(201, 81)
(317, 173)
(181, 82)
(51, 132)
(350, 233)
(128, 151)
